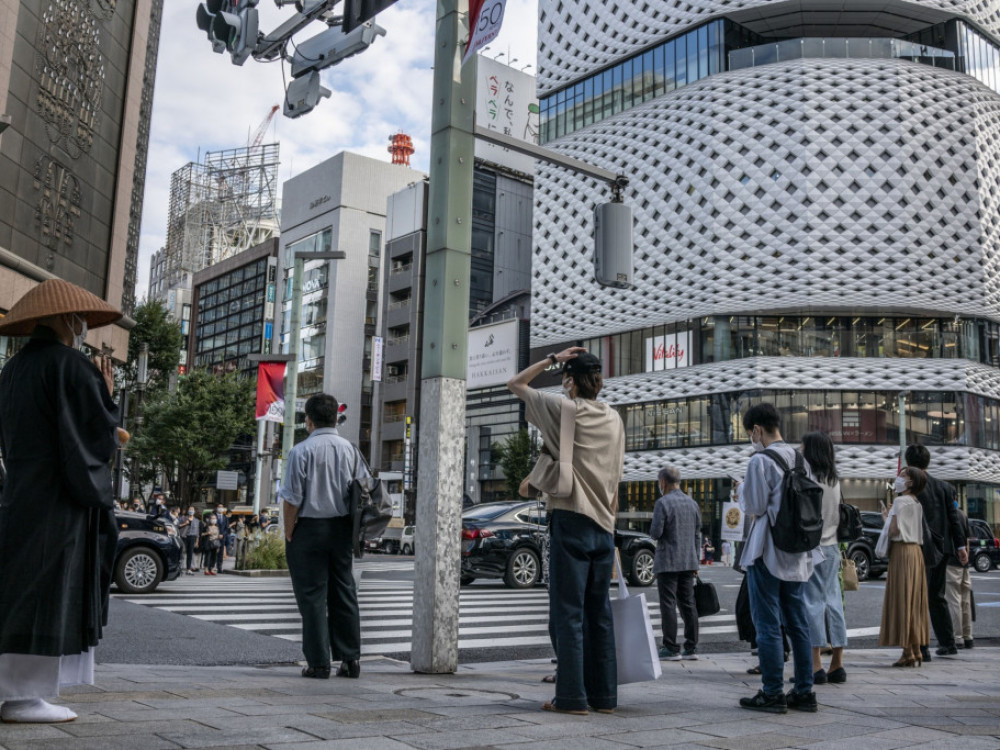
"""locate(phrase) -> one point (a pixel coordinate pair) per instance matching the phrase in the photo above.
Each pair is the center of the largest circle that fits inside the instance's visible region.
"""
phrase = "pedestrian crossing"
(488, 617)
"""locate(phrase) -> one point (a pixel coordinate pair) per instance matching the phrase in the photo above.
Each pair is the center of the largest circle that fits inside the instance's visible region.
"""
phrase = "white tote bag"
(635, 646)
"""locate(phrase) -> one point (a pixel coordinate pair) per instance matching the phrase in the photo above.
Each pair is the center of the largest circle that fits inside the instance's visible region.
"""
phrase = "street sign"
(227, 480)
(356, 12)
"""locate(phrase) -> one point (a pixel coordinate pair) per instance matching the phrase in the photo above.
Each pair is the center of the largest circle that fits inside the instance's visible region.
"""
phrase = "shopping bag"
(635, 646)
(849, 570)
(706, 599)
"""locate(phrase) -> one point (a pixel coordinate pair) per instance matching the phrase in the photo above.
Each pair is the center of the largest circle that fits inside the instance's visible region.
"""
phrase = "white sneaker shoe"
(34, 711)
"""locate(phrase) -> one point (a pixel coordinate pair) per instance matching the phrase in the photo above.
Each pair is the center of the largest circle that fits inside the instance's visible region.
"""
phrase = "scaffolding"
(219, 207)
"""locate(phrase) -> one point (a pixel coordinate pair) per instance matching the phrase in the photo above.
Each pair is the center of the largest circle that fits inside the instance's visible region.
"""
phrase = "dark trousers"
(937, 583)
(220, 553)
(581, 560)
(189, 542)
(676, 591)
(210, 557)
(319, 562)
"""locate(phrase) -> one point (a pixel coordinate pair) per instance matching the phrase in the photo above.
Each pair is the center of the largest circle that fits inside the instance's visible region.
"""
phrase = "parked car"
(506, 539)
(862, 549)
(984, 547)
(149, 551)
(406, 541)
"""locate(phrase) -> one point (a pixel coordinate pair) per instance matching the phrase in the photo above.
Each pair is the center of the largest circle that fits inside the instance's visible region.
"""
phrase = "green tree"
(187, 433)
(154, 325)
(516, 456)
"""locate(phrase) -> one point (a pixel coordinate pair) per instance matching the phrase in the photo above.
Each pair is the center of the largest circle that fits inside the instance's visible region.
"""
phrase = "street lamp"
(141, 379)
(902, 428)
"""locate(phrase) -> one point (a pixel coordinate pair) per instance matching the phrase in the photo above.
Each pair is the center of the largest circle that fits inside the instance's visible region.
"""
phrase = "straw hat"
(56, 297)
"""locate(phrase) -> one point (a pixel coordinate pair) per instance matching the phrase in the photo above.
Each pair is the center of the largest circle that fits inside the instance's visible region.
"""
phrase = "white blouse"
(909, 519)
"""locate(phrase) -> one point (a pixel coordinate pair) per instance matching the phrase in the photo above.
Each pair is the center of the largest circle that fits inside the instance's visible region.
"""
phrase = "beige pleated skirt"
(905, 618)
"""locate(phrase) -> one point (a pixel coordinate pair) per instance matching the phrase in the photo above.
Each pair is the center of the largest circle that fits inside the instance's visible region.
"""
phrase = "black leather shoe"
(349, 668)
(317, 673)
(968, 643)
(946, 651)
(838, 676)
(925, 653)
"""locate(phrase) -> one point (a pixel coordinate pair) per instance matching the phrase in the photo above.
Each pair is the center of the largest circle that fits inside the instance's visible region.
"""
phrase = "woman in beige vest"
(905, 618)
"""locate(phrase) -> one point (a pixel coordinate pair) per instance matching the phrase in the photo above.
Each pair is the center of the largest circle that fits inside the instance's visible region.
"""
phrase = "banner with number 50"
(485, 19)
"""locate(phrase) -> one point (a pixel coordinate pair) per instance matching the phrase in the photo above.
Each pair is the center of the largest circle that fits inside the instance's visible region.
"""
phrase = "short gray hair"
(669, 475)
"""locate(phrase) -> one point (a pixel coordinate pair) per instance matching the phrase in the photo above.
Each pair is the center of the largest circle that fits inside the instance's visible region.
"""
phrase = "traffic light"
(303, 95)
(230, 25)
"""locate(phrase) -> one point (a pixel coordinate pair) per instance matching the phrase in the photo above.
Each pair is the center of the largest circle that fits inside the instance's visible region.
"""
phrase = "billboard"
(492, 354)
(668, 352)
(506, 102)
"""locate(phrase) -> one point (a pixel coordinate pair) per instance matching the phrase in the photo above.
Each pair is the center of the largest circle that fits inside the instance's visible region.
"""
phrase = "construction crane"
(258, 134)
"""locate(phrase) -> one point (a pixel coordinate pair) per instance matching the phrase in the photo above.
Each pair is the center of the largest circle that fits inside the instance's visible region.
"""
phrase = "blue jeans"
(773, 602)
(824, 604)
(581, 560)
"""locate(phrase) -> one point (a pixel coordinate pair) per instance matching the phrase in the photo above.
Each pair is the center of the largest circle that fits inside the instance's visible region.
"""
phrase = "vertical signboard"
(377, 358)
(506, 102)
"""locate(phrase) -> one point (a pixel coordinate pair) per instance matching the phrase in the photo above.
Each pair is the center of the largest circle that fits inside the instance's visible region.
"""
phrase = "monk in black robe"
(57, 527)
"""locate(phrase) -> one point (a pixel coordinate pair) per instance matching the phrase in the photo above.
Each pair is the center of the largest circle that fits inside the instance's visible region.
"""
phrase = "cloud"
(204, 103)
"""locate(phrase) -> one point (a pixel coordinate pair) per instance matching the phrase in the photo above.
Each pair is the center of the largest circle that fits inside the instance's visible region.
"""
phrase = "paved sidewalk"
(950, 703)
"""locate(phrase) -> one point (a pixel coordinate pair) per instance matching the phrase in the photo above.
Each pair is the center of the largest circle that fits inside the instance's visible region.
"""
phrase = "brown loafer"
(550, 706)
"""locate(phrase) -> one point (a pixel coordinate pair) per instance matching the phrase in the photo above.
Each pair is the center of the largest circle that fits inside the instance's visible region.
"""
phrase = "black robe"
(57, 526)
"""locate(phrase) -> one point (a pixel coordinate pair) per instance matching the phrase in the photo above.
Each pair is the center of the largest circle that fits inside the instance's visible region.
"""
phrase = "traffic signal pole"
(438, 524)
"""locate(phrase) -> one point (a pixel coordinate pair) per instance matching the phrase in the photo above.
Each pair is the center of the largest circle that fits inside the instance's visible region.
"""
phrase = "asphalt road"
(143, 635)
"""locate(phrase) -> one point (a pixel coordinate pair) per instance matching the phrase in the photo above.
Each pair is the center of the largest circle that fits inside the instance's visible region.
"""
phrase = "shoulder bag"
(706, 599)
(370, 508)
(849, 572)
(555, 478)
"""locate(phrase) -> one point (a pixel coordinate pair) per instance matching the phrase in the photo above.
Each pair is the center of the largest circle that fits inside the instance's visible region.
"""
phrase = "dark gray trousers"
(319, 562)
(676, 591)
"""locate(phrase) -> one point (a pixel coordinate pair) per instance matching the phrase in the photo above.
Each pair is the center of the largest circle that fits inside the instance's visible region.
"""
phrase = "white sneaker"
(34, 711)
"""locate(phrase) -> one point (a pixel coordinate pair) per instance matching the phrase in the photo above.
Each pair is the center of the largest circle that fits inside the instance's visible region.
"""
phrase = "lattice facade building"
(817, 224)
(76, 87)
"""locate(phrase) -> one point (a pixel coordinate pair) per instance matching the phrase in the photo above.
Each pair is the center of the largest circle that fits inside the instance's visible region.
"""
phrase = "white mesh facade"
(577, 37)
(851, 187)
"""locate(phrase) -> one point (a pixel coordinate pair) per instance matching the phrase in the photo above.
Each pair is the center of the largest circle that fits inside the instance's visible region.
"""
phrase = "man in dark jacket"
(223, 522)
(57, 527)
(941, 514)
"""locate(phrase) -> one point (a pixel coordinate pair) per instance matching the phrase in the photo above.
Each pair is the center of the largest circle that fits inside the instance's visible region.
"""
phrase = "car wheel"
(523, 569)
(466, 580)
(139, 571)
(983, 563)
(391, 548)
(641, 570)
(407, 549)
(862, 563)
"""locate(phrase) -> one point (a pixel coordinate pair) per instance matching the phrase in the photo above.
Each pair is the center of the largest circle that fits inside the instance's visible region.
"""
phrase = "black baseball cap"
(582, 364)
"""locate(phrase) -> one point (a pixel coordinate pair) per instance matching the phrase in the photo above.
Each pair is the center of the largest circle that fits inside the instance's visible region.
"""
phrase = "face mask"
(190, 512)
(220, 511)
(212, 522)
(78, 338)
(901, 485)
(567, 386)
(757, 446)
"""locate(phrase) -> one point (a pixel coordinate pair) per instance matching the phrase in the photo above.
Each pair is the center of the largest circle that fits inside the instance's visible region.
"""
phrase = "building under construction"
(219, 207)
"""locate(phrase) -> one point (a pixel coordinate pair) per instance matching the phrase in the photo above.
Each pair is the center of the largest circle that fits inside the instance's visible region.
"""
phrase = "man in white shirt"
(774, 578)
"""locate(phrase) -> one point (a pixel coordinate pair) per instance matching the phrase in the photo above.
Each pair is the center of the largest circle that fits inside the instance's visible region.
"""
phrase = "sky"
(202, 102)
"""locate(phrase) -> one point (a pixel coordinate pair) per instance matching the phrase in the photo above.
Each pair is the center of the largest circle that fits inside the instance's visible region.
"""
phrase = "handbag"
(551, 476)
(706, 599)
(849, 573)
(370, 507)
(849, 528)
(635, 646)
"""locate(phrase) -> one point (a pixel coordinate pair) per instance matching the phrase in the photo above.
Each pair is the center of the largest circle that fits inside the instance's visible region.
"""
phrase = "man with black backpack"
(778, 559)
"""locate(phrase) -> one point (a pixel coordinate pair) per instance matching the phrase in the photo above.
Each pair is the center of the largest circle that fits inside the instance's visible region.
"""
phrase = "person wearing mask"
(938, 502)
(582, 543)
(775, 578)
(905, 621)
(959, 591)
(676, 527)
(58, 534)
(189, 535)
(222, 524)
(211, 541)
(824, 601)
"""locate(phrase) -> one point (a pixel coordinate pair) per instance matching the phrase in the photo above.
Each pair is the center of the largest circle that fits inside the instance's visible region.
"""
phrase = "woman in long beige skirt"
(905, 618)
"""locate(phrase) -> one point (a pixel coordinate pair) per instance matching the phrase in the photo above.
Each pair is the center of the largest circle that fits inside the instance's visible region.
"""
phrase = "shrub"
(267, 554)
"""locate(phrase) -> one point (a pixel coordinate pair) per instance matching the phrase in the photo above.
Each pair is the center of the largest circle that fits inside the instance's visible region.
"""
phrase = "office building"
(816, 225)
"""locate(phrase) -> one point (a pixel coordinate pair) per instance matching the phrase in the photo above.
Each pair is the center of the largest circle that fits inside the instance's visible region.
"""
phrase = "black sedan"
(149, 551)
(506, 540)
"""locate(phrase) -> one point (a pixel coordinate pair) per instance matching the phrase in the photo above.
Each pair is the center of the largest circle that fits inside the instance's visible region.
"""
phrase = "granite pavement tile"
(766, 741)
(656, 738)
(464, 739)
(213, 738)
(367, 743)
(120, 742)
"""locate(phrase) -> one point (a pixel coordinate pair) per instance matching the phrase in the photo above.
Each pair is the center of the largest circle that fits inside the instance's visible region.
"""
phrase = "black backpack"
(850, 527)
(798, 526)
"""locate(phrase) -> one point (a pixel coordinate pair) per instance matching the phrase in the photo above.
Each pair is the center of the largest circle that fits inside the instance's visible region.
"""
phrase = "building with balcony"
(816, 225)
(339, 204)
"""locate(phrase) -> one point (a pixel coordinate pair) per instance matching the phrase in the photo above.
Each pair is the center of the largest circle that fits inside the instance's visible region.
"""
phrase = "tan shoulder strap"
(567, 430)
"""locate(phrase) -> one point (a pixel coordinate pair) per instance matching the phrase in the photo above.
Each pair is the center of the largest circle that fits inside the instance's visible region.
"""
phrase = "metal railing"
(395, 341)
(399, 303)
(400, 269)
(840, 48)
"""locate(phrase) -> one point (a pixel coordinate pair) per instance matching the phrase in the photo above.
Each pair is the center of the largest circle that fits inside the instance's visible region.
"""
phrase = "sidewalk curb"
(256, 573)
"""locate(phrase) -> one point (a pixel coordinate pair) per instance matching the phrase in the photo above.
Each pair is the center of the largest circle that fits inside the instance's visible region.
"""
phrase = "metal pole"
(261, 425)
(902, 428)
(292, 371)
(445, 329)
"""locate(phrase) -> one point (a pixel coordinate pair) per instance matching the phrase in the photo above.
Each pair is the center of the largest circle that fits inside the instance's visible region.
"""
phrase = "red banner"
(271, 391)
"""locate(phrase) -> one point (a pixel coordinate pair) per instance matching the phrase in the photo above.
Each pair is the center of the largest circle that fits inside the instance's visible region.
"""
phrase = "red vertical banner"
(485, 19)
(271, 391)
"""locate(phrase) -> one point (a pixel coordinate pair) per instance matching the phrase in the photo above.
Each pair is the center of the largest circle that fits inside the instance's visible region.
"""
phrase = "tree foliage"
(155, 326)
(192, 428)
(516, 456)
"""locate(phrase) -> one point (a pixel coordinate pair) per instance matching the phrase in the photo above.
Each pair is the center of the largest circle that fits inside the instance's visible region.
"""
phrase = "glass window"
(628, 79)
(669, 67)
(680, 71)
(616, 89)
(374, 243)
(588, 102)
(692, 56)
(703, 51)
(648, 78)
